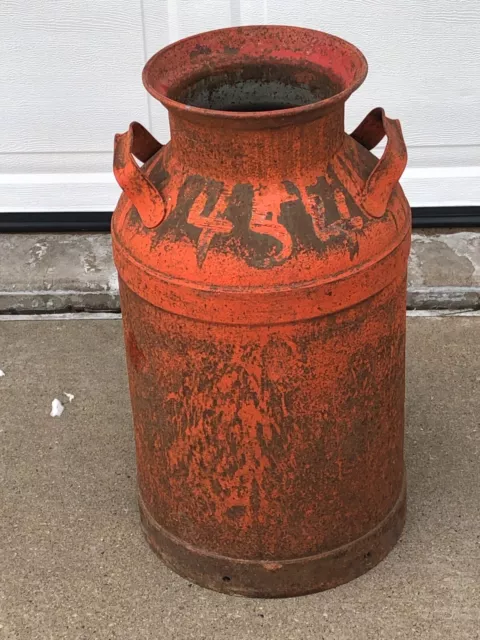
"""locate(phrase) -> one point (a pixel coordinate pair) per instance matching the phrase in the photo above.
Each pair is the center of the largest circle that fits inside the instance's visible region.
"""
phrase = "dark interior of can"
(259, 87)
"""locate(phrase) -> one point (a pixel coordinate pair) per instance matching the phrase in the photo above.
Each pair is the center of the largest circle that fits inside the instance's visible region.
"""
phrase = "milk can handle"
(383, 179)
(145, 197)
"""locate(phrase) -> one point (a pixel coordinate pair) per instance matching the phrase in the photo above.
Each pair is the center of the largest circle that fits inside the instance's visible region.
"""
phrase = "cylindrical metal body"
(262, 258)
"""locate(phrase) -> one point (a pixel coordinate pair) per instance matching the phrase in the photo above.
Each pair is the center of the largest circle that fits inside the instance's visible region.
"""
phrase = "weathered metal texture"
(262, 257)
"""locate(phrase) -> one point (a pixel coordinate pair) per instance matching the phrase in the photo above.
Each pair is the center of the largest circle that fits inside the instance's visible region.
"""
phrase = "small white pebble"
(57, 408)
(2, 373)
(70, 396)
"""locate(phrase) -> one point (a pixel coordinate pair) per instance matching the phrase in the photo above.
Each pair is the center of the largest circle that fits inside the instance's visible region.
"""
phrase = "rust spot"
(236, 512)
(135, 355)
(200, 50)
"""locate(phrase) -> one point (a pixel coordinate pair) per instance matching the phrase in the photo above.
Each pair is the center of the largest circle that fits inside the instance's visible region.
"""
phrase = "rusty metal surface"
(264, 316)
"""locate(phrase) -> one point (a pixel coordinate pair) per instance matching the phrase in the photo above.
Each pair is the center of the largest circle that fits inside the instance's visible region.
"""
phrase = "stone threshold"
(62, 273)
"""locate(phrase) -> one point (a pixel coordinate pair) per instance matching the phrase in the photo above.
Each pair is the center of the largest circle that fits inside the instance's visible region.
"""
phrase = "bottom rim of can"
(277, 578)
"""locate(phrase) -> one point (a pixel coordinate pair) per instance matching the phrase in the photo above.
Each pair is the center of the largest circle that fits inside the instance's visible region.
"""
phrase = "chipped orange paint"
(262, 258)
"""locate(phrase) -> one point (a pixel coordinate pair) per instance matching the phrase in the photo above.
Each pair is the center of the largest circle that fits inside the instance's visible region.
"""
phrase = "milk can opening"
(259, 87)
(242, 74)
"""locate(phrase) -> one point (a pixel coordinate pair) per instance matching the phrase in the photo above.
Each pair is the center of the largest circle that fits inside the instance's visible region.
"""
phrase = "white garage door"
(71, 77)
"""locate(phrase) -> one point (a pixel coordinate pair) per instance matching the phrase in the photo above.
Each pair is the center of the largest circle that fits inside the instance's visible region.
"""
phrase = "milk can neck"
(247, 150)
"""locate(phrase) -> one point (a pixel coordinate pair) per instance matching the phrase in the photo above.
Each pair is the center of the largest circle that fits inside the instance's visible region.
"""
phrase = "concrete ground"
(73, 561)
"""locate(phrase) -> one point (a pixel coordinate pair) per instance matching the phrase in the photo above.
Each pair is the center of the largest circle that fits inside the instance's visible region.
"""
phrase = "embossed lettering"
(209, 224)
(315, 207)
(265, 213)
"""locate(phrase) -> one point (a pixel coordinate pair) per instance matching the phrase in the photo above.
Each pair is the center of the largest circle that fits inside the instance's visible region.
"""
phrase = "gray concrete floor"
(74, 563)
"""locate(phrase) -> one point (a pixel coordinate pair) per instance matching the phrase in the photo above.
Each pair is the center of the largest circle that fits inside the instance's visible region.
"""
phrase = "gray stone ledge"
(55, 273)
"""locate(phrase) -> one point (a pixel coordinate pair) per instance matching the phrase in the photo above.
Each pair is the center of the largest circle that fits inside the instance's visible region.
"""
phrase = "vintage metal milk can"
(262, 256)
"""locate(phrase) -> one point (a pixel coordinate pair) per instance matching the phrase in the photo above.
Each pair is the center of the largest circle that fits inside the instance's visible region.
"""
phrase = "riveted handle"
(146, 198)
(389, 169)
